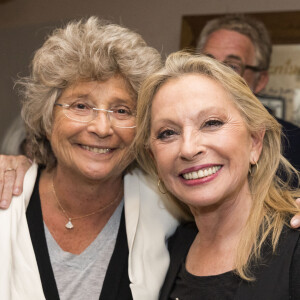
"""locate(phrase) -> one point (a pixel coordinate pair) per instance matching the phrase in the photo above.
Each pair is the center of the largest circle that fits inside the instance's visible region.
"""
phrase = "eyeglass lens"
(121, 117)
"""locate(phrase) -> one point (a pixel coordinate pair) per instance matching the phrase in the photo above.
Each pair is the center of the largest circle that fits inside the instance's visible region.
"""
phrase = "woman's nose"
(101, 124)
(191, 146)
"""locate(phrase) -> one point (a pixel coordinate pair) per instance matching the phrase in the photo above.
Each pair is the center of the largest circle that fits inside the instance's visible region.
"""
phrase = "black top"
(276, 276)
(116, 282)
(290, 142)
(190, 287)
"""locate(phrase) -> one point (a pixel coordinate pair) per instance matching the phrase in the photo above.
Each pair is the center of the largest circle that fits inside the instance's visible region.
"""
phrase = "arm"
(12, 172)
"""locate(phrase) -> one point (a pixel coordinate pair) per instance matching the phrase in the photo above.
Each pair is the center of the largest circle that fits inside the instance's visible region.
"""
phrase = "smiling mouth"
(96, 150)
(201, 173)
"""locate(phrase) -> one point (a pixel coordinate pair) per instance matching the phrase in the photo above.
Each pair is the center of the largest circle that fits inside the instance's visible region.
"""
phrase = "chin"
(199, 200)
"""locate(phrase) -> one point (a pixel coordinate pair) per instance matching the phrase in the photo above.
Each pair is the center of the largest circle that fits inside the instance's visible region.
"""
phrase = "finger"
(8, 186)
(20, 174)
(5, 163)
(295, 221)
(9, 179)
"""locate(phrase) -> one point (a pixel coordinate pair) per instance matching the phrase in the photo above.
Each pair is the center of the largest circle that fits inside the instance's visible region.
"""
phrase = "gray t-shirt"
(80, 277)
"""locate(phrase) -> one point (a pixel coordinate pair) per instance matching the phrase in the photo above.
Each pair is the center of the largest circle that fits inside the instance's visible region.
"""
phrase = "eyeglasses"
(81, 112)
(240, 68)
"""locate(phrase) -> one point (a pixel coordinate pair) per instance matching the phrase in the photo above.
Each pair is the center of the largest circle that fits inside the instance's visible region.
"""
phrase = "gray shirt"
(80, 277)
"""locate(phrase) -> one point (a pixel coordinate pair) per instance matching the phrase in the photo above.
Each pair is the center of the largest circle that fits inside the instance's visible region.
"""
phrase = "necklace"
(69, 224)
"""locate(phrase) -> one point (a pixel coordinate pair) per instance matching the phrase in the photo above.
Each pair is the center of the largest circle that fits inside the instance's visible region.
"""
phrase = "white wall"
(23, 24)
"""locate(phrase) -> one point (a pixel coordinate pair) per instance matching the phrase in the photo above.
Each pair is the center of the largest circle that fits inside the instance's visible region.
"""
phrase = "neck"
(223, 223)
(79, 196)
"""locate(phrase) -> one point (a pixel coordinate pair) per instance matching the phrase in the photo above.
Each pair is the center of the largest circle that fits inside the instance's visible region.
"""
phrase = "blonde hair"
(90, 49)
(273, 199)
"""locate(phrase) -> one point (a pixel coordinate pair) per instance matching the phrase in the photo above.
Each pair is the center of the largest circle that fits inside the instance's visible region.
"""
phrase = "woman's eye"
(122, 111)
(233, 67)
(79, 106)
(166, 134)
(213, 123)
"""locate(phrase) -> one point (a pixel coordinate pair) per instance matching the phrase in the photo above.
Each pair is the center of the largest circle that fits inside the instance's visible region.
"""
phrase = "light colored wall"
(23, 24)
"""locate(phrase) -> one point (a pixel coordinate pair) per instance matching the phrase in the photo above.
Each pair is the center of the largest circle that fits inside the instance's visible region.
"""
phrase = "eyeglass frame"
(233, 58)
(243, 67)
(95, 109)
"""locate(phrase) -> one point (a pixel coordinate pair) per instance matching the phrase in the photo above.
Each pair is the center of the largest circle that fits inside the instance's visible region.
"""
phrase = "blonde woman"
(215, 151)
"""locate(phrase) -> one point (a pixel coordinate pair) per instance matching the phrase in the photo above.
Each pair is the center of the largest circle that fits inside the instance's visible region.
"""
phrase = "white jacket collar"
(148, 226)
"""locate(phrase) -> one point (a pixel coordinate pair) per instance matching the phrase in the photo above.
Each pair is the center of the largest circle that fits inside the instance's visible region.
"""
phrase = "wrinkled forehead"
(223, 44)
(108, 90)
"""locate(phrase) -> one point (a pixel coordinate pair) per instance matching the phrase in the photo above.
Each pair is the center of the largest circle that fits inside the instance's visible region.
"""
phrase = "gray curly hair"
(90, 49)
(248, 26)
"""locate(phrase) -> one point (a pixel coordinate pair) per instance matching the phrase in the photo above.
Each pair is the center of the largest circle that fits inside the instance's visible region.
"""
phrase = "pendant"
(69, 225)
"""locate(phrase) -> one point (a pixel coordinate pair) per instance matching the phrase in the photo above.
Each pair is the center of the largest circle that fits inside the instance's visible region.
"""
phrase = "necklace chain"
(70, 225)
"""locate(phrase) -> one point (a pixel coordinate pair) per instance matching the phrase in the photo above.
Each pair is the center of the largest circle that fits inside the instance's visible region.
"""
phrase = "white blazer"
(148, 225)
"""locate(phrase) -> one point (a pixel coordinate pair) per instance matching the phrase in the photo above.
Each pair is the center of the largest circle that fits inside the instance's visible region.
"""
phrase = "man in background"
(244, 44)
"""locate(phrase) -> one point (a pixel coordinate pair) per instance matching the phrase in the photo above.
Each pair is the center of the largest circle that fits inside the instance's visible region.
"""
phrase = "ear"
(257, 144)
(262, 81)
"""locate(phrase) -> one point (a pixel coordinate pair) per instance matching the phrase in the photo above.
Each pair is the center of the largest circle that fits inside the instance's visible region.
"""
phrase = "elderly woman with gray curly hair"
(84, 229)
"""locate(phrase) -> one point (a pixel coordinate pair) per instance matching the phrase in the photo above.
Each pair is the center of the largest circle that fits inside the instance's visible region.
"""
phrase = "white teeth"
(201, 173)
(96, 150)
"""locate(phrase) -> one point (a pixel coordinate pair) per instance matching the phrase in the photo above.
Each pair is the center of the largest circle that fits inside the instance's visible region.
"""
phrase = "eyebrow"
(119, 101)
(209, 55)
(203, 114)
(77, 95)
(234, 57)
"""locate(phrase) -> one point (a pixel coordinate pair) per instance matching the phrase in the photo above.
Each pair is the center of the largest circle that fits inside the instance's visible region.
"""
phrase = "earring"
(159, 188)
(251, 165)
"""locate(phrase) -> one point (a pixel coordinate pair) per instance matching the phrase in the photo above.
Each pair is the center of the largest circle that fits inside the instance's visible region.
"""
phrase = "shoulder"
(29, 181)
(137, 179)
(295, 269)
(21, 202)
(291, 142)
(290, 131)
(295, 266)
(288, 126)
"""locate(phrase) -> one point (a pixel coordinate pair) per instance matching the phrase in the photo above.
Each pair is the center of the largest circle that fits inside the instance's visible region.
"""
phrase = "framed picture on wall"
(275, 104)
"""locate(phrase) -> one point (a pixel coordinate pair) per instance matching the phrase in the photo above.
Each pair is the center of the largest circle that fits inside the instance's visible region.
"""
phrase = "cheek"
(57, 142)
(59, 130)
(164, 158)
(62, 131)
(238, 151)
(250, 79)
(128, 137)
